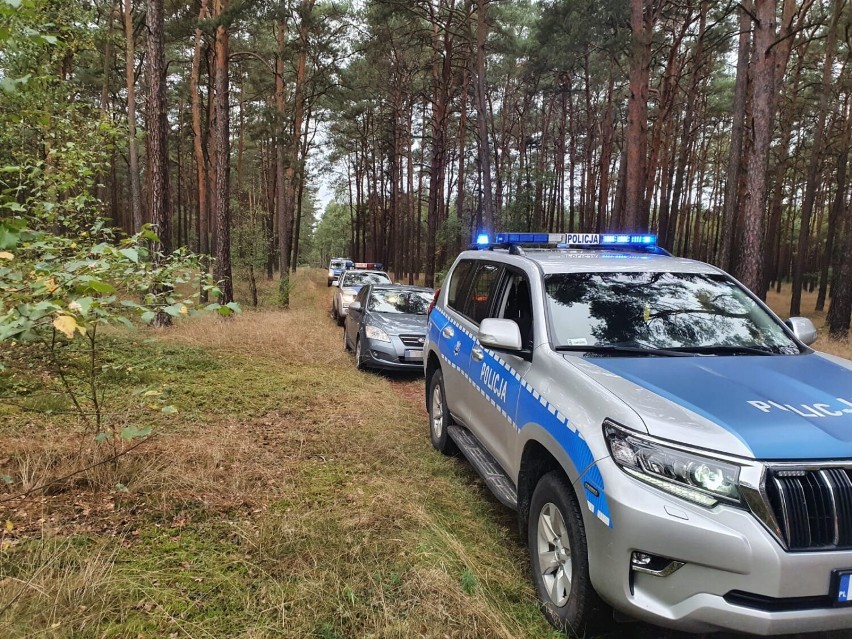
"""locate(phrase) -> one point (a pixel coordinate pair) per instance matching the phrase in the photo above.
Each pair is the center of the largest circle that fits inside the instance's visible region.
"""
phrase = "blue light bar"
(483, 240)
(610, 239)
(578, 239)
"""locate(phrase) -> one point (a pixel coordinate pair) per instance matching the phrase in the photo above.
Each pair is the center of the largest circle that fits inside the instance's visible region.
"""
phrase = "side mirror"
(355, 306)
(502, 334)
(803, 329)
(336, 283)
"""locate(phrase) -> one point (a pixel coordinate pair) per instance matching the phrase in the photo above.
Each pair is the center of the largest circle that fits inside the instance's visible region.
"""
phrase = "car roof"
(364, 270)
(594, 260)
(403, 287)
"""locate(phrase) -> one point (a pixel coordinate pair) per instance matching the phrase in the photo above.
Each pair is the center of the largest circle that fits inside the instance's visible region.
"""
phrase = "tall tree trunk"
(223, 159)
(158, 126)
(203, 245)
(280, 162)
(136, 220)
(730, 211)
(815, 162)
(749, 266)
(840, 310)
(482, 117)
(642, 14)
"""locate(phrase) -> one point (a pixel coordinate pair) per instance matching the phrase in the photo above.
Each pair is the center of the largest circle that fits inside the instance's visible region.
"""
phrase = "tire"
(334, 314)
(559, 558)
(359, 364)
(439, 416)
(340, 318)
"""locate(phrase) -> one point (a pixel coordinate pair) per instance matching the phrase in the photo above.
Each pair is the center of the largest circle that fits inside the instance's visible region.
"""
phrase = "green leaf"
(8, 237)
(102, 437)
(130, 254)
(174, 309)
(169, 410)
(122, 487)
(132, 432)
(148, 316)
(100, 287)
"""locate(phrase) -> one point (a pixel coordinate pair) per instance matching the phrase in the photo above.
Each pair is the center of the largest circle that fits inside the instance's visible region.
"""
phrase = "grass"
(289, 496)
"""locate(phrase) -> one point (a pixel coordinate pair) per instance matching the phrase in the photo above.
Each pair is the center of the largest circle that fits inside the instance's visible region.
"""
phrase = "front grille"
(415, 341)
(813, 507)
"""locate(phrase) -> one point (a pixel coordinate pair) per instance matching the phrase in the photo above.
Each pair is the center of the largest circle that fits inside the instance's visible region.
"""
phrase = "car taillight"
(433, 302)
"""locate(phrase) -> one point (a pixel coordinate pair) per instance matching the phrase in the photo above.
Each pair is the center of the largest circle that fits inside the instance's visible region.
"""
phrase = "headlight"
(702, 480)
(373, 332)
(348, 297)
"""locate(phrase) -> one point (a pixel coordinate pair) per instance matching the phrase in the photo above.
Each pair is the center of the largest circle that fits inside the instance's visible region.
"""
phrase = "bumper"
(389, 355)
(735, 577)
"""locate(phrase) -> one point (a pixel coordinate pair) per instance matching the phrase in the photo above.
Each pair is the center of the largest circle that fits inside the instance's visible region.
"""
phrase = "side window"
(459, 285)
(481, 292)
(516, 305)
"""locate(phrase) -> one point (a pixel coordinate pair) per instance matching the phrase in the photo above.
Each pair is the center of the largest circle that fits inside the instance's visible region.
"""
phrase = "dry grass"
(292, 496)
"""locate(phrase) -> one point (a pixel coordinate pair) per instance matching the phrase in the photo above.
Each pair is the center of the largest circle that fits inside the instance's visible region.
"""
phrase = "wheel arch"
(540, 456)
(432, 364)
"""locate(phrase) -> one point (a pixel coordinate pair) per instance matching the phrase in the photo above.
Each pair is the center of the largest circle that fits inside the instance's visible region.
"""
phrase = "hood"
(780, 407)
(401, 323)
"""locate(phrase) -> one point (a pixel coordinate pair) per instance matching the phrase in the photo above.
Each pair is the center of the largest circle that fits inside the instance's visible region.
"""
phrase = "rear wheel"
(439, 415)
(559, 557)
(340, 318)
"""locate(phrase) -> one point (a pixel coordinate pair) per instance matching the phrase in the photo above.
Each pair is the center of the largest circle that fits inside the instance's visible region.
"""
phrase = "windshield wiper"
(612, 349)
(725, 350)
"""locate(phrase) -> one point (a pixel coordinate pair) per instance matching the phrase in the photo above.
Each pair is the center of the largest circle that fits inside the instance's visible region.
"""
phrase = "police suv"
(672, 448)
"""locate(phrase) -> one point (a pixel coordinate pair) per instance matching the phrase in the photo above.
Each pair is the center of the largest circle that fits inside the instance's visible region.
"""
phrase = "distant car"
(349, 284)
(336, 266)
(386, 326)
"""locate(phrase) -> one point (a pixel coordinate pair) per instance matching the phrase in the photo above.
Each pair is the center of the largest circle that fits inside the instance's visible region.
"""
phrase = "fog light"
(653, 564)
(640, 559)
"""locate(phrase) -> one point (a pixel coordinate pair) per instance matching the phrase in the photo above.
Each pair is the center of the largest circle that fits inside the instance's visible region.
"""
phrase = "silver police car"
(673, 449)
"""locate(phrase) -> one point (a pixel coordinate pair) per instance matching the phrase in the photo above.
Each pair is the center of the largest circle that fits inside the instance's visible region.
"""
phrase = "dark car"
(386, 326)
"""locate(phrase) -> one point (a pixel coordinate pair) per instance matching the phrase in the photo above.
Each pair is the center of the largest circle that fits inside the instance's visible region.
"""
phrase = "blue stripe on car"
(531, 408)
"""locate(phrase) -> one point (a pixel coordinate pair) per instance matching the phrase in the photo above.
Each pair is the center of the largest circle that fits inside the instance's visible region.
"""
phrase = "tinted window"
(359, 278)
(479, 295)
(659, 310)
(400, 301)
(458, 285)
(516, 305)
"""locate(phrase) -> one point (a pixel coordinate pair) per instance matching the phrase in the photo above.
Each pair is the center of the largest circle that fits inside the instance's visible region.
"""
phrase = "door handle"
(448, 332)
(477, 353)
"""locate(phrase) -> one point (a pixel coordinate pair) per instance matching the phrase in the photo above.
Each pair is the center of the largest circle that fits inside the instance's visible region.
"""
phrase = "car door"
(352, 324)
(473, 308)
(448, 333)
(499, 374)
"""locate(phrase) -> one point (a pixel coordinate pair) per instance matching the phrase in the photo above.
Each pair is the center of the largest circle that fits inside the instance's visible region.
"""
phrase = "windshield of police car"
(659, 311)
(400, 301)
(360, 278)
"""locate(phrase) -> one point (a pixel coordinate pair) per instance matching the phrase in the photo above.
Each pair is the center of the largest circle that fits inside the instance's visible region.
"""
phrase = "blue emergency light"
(483, 240)
(575, 239)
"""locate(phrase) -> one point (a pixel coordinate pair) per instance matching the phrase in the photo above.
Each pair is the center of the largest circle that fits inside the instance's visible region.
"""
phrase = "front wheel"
(359, 363)
(559, 557)
(439, 415)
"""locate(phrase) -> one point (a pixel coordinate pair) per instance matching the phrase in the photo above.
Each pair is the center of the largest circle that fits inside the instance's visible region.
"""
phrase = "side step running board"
(485, 465)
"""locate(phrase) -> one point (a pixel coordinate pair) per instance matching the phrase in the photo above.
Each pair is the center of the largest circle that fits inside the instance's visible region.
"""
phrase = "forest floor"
(289, 496)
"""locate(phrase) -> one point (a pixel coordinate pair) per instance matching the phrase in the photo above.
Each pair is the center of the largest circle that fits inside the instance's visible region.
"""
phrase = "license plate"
(841, 589)
(415, 355)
